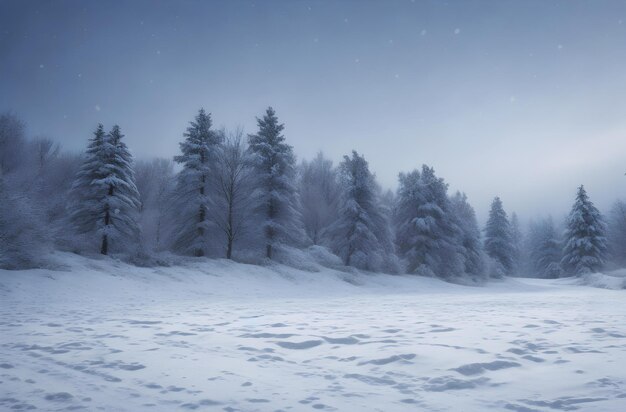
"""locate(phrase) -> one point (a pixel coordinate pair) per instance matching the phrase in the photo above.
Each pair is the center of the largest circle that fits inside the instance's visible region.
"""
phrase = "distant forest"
(247, 198)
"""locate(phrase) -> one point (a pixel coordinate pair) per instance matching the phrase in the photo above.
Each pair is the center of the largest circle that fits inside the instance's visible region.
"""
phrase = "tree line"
(247, 198)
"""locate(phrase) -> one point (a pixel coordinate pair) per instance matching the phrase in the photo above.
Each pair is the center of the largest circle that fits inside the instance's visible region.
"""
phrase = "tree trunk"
(229, 248)
(201, 215)
(104, 249)
(268, 252)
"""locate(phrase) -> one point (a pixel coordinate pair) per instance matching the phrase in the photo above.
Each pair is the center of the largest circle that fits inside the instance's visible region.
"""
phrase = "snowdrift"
(99, 334)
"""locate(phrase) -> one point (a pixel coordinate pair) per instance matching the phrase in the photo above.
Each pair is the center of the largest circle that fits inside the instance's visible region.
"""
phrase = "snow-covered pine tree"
(276, 196)
(473, 253)
(427, 234)
(548, 252)
(360, 235)
(585, 242)
(104, 194)
(498, 243)
(192, 195)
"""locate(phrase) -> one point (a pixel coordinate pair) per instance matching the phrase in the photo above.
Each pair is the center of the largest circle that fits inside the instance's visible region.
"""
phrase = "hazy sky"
(522, 99)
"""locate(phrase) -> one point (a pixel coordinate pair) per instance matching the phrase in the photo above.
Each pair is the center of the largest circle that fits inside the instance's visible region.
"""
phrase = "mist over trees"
(228, 196)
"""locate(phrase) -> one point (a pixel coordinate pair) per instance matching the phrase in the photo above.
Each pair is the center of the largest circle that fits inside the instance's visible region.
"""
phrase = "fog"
(518, 99)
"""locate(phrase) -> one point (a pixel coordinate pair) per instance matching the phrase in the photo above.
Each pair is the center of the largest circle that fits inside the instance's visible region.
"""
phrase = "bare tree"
(12, 142)
(233, 188)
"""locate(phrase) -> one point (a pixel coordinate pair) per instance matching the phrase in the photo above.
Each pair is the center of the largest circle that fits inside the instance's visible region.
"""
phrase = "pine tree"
(427, 234)
(192, 194)
(498, 242)
(585, 242)
(105, 197)
(360, 235)
(473, 253)
(276, 196)
(549, 252)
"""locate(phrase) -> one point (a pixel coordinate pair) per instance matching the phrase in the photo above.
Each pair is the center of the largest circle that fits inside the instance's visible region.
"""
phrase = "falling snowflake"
(423, 33)
(41, 66)
(97, 107)
(560, 46)
(457, 31)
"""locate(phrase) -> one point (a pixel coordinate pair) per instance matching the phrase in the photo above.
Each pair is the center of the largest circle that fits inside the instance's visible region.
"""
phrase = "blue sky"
(521, 99)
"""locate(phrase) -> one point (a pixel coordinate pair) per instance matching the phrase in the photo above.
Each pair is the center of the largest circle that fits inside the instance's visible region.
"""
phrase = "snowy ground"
(103, 335)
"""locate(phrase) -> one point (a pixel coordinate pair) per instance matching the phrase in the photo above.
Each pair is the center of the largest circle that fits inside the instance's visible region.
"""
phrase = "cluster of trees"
(585, 246)
(229, 196)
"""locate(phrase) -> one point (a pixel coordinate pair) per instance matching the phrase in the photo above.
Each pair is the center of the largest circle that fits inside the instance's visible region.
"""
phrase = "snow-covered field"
(102, 335)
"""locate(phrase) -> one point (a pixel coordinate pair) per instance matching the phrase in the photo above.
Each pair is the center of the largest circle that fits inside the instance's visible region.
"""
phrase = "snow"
(217, 335)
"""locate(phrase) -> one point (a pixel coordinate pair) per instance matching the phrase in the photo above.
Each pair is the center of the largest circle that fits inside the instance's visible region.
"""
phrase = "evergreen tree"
(360, 235)
(498, 242)
(549, 251)
(192, 195)
(585, 242)
(473, 253)
(427, 234)
(105, 197)
(276, 196)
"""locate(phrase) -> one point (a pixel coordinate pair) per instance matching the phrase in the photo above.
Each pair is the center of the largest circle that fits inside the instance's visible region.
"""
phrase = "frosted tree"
(427, 235)
(23, 235)
(12, 142)
(155, 182)
(105, 197)
(473, 253)
(360, 235)
(498, 242)
(585, 243)
(617, 233)
(517, 243)
(233, 185)
(319, 194)
(544, 248)
(276, 195)
(192, 196)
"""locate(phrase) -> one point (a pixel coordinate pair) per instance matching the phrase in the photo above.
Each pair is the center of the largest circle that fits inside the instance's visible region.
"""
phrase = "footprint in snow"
(390, 359)
(478, 368)
(300, 345)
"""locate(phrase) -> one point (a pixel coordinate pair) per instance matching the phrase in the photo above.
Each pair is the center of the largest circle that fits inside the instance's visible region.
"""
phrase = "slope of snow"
(217, 335)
